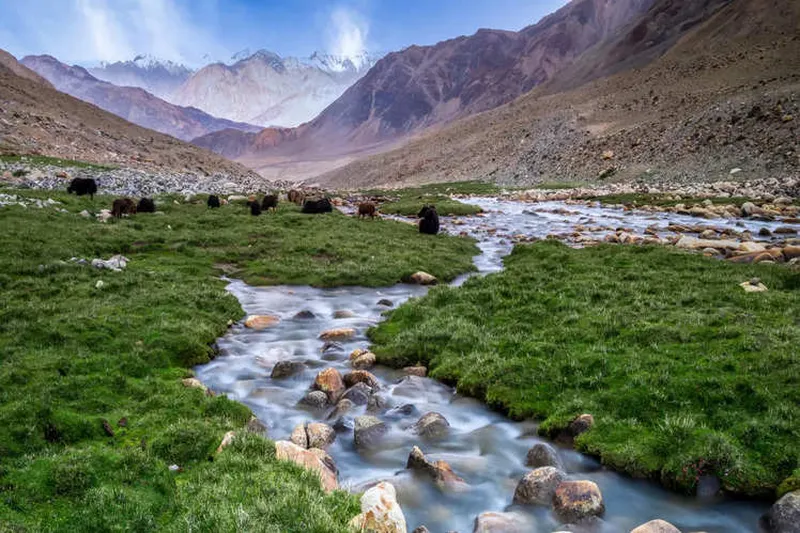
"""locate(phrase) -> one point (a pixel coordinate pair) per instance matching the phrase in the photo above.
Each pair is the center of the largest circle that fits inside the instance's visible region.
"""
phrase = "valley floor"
(93, 411)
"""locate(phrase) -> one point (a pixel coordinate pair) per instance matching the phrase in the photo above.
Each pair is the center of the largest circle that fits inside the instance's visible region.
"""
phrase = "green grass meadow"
(684, 372)
(74, 356)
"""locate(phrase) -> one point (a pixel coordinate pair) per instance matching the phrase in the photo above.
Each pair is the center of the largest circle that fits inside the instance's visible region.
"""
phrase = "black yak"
(255, 207)
(428, 220)
(270, 201)
(82, 187)
(313, 207)
(213, 201)
(146, 205)
(367, 209)
(123, 206)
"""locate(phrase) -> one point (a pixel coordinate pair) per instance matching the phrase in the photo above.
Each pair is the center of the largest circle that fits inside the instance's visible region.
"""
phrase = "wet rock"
(422, 278)
(495, 522)
(784, 515)
(764, 232)
(693, 243)
(226, 441)
(708, 486)
(361, 376)
(432, 426)
(574, 501)
(320, 435)
(419, 371)
(299, 436)
(288, 451)
(385, 303)
(440, 471)
(421, 529)
(285, 369)
(380, 512)
(358, 394)
(344, 406)
(376, 404)
(326, 459)
(411, 386)
(542, 454)
(402, 411)
(338, 334)
(194, 383)
(749, 209)
(785, 230)
(305, 314)
(330, 382)
(316, 399)
(364, 360)
(259, 322)
(656, 526)
(791, 252)
(343, 313)
(538, 486)
(332, 347)
(367, 431)
(752, 246)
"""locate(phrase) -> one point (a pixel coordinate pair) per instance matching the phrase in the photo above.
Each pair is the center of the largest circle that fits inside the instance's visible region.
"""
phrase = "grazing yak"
(123, 206)
(367, 209)
(270, 201)
(428, 220)
(313, 207)
(146, 205)
(255, 207)
(82, 187)
(213, 201)
(296, 197)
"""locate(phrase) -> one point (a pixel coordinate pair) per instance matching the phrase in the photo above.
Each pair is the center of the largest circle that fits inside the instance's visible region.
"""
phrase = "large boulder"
(259, 322)
(316, 399)
(538, 486)
(440, 472)
(380, 512)
(299, 436)
(581, 424)
(656, 526)
(367, 431)
(338, 334)
(432, 426)
(358, 394)
(361, 376)
(320, 435)
(784, 515)
(495, 522)
(422, 278)
(285, 369)
(543, 454)
(288, 451)
(363, 360)
(577, 500)
(330, 382)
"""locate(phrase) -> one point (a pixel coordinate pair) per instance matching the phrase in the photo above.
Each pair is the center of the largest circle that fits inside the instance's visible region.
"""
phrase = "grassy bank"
(408, 202)
(41, 160)
(92, 409)
(685, 373)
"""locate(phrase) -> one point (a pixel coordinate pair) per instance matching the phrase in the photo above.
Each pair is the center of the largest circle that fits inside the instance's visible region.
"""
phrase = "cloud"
(347, 34)
(108, 39)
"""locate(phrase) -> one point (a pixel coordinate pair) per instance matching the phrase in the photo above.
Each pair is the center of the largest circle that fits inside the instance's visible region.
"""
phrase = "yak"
(213, 201)
(123, 206)
(146, 205)
(270, 201)
(366, 209)
(313, 207)
(82, 187)
(428, 220)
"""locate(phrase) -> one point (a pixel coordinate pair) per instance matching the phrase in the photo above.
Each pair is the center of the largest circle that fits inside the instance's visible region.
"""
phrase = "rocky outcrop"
(380, 512)
(288, 451)
(784, 515)
(538, 486)
(574, 501)
(439, 471)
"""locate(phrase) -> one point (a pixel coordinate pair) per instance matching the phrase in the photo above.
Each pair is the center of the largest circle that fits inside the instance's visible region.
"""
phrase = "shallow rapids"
(483, 447)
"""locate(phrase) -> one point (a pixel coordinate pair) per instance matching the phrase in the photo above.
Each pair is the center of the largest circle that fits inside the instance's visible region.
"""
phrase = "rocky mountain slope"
(131, 103)
(269, 90)
(37, 119)
(696, 91)
(422, 86)
(160, 78)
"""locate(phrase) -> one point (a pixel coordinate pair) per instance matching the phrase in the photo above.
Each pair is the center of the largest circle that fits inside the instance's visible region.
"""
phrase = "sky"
(195, 32)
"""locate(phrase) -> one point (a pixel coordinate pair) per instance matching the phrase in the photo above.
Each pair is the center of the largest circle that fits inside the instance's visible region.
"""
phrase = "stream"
(483, 447)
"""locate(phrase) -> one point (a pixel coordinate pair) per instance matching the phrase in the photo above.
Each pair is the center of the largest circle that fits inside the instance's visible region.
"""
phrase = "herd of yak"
(428, 217)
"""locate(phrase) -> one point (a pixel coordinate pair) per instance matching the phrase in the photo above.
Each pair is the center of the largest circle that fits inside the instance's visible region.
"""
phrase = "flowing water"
(483, 447)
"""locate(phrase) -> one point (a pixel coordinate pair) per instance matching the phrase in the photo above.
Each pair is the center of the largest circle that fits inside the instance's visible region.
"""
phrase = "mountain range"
(131, 103)
(158, 77)
(35, 118)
